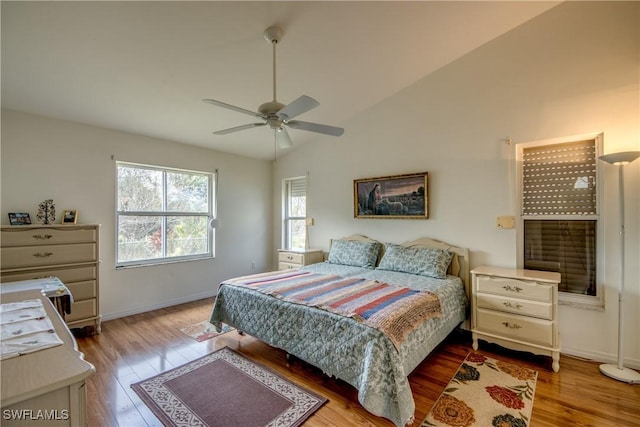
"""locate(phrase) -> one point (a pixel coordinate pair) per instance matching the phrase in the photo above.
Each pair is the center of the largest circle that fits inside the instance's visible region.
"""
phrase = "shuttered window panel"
(298, 187)
(564, 246)
(559, 179)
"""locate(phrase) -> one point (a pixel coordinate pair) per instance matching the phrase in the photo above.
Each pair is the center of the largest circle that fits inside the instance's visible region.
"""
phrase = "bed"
(375, 362)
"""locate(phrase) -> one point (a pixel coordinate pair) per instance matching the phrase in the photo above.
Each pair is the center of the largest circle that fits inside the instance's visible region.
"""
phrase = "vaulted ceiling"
(144, 67)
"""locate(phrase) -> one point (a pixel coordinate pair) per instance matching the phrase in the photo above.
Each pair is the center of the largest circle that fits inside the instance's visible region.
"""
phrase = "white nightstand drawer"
(543, 310)
(291, 257)
(515, 288)
(526, 329)
(288, 266)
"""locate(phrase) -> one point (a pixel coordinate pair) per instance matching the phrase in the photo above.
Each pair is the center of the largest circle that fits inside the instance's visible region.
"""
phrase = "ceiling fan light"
(282, 138)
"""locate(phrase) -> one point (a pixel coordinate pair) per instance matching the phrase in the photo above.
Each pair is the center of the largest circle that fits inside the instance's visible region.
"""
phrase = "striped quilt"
(394, 310)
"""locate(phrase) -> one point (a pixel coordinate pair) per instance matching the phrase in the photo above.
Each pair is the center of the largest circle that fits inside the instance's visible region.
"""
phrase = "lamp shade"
(282, 138)
(620, 158)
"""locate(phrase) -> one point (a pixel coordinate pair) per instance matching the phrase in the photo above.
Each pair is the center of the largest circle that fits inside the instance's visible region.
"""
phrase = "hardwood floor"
(137, 347)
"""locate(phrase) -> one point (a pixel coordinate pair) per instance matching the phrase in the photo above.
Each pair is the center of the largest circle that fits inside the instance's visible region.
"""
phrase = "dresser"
(517, 309)
(290, 259)
(68, 252)
(45, 387)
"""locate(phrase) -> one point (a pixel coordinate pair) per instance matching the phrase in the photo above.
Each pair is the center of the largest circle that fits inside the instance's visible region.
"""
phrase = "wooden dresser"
(69, 252)
(290, 259)
(517, 309)
(45, 387)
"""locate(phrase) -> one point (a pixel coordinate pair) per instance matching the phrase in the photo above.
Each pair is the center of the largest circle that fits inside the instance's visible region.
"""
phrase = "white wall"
(570, 71)
(72, 164)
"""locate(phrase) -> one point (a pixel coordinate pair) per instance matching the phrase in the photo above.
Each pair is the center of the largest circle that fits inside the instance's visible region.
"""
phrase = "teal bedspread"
(342, 347)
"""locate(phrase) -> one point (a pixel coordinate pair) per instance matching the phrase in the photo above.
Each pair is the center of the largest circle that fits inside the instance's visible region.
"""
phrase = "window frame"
(286, 217)
(212, 179)
(566, 298)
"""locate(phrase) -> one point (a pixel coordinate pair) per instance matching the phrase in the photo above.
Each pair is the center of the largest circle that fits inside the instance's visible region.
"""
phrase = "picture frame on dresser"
(395, 197)
(19, 218)
(70, 217)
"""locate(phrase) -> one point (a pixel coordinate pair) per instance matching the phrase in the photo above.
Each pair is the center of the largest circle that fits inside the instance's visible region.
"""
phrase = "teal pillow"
(354, 253)
(423, 261)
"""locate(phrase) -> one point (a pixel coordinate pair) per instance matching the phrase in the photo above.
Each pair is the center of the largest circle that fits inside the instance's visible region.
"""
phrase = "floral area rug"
(204, 330)
(485, 392)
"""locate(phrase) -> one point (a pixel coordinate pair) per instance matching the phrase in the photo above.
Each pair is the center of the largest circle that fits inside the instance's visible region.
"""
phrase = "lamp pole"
(619, 372)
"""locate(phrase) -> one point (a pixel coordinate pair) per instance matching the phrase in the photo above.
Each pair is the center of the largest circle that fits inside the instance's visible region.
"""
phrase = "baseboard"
(593, 356)
(601, 357)
(111, 316)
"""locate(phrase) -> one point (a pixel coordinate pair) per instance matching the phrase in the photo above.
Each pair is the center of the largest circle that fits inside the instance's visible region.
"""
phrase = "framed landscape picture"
(399, 196)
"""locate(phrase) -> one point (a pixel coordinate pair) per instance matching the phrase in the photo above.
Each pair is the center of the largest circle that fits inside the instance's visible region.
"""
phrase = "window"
(559, 212)
(295, 213)
(162, 215)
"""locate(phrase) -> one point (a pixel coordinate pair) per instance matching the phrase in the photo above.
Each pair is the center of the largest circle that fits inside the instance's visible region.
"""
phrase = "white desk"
(47, 383)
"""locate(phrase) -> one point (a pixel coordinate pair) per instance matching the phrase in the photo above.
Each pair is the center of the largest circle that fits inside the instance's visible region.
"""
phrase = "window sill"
(595, 306)
(163, 262)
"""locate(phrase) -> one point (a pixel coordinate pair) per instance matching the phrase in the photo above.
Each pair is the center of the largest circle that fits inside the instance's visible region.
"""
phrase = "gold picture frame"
(398, 197)
(70, 216)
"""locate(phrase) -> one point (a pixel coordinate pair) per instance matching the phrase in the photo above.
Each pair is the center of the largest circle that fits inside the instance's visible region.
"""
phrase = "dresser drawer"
(83, 290)
(47, 236)
(66, 275)
(82, 310)
(291, 257)
(543, 310)
(515, 288)
(35, 256)
(526, 329)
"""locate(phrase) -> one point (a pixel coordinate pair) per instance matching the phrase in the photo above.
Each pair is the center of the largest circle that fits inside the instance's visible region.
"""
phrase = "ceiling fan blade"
(297, 107)
(233, 107)
(315, 127)
(282, 138)
(238, 128)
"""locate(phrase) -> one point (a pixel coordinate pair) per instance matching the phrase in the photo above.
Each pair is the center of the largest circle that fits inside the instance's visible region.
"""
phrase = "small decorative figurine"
(47, 212)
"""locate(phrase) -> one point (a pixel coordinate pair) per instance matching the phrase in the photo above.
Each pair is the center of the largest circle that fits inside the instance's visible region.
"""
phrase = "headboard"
(459, 264)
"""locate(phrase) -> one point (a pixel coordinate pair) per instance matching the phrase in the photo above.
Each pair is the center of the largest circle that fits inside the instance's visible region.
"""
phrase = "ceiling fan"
(276, 114)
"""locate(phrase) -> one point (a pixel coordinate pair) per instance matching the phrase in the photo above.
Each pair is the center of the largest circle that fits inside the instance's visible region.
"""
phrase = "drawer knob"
(511, 325)
(509, 305)
(42, 254)
(511, 288)
(42, 236)
(289, 257)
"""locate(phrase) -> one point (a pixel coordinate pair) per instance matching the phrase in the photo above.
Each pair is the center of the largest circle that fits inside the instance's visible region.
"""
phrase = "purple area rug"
(225, 389)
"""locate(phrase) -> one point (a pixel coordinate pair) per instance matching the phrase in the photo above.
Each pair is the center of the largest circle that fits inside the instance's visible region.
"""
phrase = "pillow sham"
(430, 262)
(354, 253)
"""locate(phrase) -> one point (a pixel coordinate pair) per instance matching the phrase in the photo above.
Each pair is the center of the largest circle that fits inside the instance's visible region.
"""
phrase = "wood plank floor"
(133, 348)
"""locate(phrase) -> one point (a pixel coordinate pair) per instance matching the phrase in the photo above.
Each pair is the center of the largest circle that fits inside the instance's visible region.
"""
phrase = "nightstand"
(517, 309)
(291, 259)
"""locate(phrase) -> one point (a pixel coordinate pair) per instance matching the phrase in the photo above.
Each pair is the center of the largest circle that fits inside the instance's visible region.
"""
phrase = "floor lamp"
(619, 372)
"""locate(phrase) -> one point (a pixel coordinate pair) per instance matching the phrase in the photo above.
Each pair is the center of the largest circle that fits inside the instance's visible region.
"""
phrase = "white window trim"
(565, 298)
(212, 209)
(285, 210)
